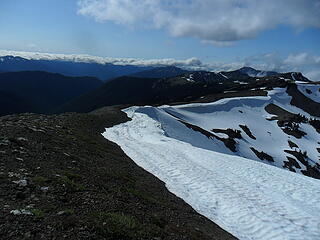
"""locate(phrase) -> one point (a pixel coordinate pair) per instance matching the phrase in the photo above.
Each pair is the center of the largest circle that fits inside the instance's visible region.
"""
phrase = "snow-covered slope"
(311, 91)
(249, 199)
(243, 127)
(220, 174)
(236, 114)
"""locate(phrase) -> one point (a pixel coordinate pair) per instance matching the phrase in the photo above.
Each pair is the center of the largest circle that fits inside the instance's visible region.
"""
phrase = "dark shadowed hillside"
(183, 88)
(40, 92)
(131, 90)
(160, 72)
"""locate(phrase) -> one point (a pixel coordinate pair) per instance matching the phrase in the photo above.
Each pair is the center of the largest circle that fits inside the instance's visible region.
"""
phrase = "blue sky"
(139, 29)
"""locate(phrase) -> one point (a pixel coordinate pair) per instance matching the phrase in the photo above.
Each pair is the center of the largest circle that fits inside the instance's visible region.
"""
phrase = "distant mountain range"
(107, 72)
(69, 68)
(47, 92)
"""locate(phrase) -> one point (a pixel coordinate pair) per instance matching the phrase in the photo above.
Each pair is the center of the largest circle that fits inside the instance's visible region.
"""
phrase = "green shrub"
(115, 225)
(37, 213)
(71, 185)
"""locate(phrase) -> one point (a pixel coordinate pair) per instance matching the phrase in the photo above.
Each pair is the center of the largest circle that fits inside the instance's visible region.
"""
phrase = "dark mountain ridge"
(43, 92)
(186, 87)
(40, 92)
(256, 73)
(69, 68)
(245, 72)
(161, 72)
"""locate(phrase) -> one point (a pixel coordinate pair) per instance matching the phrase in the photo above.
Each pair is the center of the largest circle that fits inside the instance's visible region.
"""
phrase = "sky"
(282, 35)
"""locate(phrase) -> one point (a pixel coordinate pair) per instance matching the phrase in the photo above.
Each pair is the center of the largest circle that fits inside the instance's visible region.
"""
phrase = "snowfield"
(246, 197)
(230, 113)
(311, 91)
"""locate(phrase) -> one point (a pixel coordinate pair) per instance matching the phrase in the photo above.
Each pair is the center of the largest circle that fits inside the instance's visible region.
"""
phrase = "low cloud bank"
(306, 63)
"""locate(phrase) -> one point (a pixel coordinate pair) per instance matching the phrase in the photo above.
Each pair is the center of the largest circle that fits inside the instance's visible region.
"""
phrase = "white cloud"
(306, 63)
(313, 75)
(214, 21)
(302, 59)
(189, 63)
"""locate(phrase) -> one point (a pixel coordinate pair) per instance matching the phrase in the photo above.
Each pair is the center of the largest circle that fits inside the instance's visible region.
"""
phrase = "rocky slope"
(60, 179)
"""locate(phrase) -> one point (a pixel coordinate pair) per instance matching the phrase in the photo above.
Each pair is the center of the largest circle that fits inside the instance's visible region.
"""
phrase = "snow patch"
(190, 78)
(223, 75)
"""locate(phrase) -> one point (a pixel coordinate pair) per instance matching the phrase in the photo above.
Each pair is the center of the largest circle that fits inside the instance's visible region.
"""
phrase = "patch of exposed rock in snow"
(311, 91)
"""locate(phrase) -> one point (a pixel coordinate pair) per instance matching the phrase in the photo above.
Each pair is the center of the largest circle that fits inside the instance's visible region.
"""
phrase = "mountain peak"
(161, 72)
(247, 69)
(251, 72)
